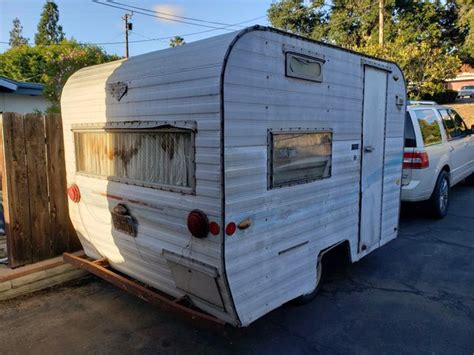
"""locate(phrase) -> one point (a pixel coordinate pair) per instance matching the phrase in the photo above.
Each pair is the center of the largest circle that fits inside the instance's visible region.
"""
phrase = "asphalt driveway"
(414, 295)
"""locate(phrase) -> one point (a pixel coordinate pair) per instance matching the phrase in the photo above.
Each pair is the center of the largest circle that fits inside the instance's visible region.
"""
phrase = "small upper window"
(299, 157)
(161, 158)
(461, 127)
(304, 67)
(430, 130)
(453, 123)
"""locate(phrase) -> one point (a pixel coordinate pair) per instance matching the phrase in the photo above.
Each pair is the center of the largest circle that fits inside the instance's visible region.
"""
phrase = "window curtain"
(151, 157)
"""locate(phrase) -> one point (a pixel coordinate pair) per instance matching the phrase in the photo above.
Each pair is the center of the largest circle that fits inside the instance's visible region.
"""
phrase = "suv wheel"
(439, 201)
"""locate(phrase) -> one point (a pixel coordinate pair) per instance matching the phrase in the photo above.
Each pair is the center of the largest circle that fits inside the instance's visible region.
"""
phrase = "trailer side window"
(304, 67)
(299, 157)
(161, 158)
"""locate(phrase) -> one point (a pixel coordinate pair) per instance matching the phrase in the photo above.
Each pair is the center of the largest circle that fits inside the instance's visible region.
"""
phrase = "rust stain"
(136, 202)
(111, 196)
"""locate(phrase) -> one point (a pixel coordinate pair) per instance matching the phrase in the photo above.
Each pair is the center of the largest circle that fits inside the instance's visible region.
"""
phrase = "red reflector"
(415, 160)
(198, 224)
(74, 193)
(214, 228)
(230, 229)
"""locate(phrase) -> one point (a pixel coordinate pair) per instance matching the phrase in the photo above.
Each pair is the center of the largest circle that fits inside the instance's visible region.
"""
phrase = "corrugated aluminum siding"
(176, 84)
(311, 216)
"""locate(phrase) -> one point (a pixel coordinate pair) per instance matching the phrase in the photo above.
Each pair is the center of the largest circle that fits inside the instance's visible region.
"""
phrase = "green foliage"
(51, 65)
(177, 41)
(466, 20)
(49, 31)
(16, 35)
(424, 37)
(294, 16)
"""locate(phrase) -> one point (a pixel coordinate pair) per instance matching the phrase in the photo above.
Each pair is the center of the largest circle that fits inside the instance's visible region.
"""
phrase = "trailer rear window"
(161, 158)
(299, 157)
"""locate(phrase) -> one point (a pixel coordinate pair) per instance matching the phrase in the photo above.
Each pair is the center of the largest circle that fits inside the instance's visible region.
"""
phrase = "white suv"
(439, 153)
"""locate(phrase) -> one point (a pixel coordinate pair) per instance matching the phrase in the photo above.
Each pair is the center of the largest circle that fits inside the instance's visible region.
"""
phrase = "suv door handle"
(369, 149)
(451, 148)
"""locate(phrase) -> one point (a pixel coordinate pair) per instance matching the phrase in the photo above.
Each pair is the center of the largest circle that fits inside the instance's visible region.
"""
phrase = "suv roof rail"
(422, 103)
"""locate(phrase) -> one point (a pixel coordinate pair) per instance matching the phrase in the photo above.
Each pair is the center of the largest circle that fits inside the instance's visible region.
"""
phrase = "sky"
(90, 22)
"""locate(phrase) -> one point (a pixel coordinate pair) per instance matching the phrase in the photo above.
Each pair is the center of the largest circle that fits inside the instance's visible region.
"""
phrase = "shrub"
(442, 97)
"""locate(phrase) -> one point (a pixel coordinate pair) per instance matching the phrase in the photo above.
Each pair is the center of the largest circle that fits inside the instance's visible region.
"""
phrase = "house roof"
(20, 88)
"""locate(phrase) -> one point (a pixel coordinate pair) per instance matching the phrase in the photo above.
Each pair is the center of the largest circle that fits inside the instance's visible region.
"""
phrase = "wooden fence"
(34, 188)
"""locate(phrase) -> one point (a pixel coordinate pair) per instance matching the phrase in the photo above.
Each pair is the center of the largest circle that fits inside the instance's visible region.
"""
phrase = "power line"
(226, 28)
(168, 14)
(154, 15)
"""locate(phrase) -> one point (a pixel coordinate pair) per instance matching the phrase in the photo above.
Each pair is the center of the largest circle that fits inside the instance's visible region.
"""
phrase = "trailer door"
(373, 137)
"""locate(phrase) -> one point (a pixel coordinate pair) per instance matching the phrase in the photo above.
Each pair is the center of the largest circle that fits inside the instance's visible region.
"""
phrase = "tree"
(466, 20)
(16, 35)
(51, 65)
(177, 41)
(49, 31)
(424, 37)
(294, 16)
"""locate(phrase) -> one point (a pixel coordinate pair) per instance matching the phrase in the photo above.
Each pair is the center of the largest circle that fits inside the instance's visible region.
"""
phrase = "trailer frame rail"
(101, 268)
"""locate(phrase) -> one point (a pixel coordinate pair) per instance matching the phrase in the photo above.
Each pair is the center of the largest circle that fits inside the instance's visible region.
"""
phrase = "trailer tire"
(304, 299)
(439, 201)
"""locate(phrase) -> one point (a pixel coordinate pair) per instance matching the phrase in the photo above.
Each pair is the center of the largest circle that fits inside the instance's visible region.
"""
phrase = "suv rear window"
(410, 138)
(430, 130)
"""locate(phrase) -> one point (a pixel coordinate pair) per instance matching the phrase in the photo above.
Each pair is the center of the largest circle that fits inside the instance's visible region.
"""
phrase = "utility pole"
(381, 20)
(128, 27)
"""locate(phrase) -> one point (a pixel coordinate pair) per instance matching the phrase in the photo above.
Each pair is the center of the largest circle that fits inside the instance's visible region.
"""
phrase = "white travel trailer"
(222, 170)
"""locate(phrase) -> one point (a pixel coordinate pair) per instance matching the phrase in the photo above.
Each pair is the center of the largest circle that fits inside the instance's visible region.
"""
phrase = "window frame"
(289, 73)
(465, 132)
(271, 133)
(127, 127)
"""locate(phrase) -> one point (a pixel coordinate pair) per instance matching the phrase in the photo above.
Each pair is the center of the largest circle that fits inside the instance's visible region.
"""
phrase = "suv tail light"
(415, 160)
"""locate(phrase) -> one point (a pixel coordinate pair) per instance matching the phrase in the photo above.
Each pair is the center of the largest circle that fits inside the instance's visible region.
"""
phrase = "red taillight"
(415, 160)
(214, 228)
(198, 224)
(230, 229)
(74, 193)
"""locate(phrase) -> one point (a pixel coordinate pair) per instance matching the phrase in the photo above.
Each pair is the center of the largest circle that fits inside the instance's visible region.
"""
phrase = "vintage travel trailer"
(222, 170)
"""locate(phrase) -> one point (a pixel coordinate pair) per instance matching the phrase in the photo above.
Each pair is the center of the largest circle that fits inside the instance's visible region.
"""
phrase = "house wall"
(456, 85)
(22, 103)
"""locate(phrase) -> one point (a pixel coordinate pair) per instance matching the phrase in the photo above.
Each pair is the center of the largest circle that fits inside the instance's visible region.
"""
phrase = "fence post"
(38, 186)
(15, 190)
(62, 232)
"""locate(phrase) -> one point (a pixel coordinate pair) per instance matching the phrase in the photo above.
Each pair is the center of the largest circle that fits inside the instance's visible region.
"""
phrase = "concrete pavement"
(414, 295)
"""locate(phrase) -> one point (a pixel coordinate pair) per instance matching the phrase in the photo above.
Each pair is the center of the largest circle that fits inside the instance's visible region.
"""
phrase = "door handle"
(369, 149)
(451, 148)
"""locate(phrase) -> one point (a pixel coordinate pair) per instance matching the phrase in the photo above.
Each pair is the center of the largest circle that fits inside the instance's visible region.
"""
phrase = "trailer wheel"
(439, 201)
(304, 299)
